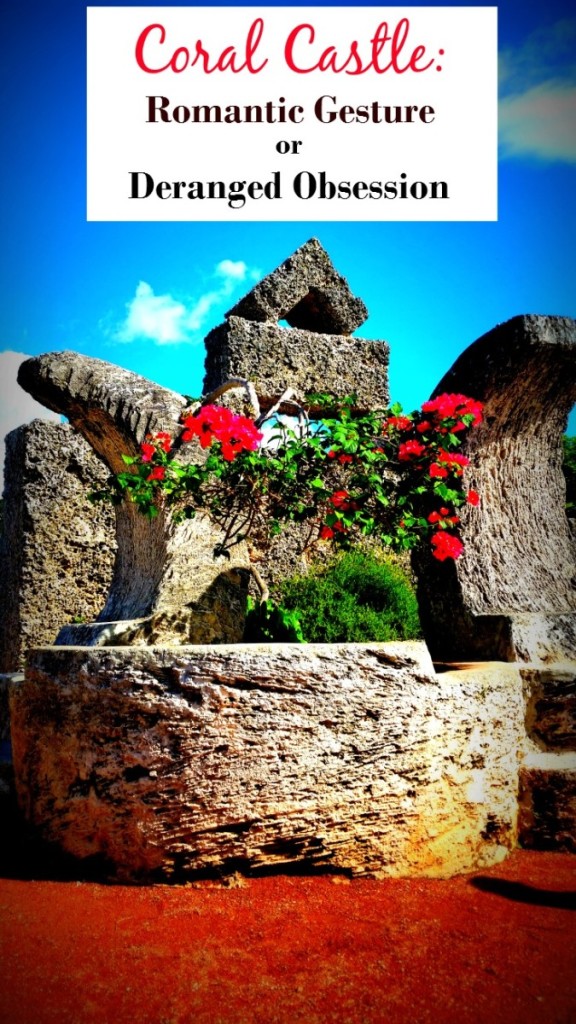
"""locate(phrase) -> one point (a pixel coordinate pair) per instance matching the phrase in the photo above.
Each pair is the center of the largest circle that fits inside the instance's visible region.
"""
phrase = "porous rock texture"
(275, 358)
(167, 587)
(307, 292)
(512, 595)
(547, 794)
(354, 758)
(56, 549)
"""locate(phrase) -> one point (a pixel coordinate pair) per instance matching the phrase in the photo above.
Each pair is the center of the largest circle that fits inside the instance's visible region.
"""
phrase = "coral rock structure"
(350, 757)
(512, 596)
(167, 587)
(318, 355)
(56, 550)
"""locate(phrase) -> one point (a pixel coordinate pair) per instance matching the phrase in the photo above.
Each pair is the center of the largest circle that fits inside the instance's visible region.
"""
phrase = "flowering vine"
(395, 476)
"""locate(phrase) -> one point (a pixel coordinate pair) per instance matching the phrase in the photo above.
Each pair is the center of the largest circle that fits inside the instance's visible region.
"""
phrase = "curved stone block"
(206, 760)
(165, 575)
(513, 593)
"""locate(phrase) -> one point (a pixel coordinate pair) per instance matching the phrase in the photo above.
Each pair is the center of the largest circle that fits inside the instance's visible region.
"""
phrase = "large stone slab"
(56, 549)
(275, 358)
(307, 292)
(357, 758)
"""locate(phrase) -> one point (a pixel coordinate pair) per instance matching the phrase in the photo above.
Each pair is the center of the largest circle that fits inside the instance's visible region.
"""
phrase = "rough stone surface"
(307, 292)
(547, 819)
(275, 358)
(204, 759)
(551, 706)
(513, 593)
(163, 572)
(56, 549)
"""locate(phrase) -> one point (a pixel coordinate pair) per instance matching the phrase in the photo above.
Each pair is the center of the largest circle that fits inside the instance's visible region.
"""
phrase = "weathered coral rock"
(164, 573)
(56, 549)
(275, 358)
(513, 593)
(547, 819)
(551, 706)
(168, 763)
(307, 292)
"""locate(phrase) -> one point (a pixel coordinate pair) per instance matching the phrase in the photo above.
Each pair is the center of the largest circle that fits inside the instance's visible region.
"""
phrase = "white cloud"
(540, 122)
(16, 406)
(538, 95)
(166, 320)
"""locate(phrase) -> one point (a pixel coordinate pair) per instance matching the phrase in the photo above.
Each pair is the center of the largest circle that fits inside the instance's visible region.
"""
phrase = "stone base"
(548, 802)
(170, 763)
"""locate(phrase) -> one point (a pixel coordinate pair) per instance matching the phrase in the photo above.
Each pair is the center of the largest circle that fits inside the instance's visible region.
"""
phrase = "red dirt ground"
(498, 947)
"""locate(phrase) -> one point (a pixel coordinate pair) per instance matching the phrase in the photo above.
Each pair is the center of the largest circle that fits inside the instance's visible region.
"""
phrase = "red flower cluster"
(454, 407)
(443, 517)
(341, 500)
(448, 462)
(214, 422)
(410, 449)
(398, 422)
(158, 473)
(153, 443)
(341, 457)
(446, 545)
(327, 532)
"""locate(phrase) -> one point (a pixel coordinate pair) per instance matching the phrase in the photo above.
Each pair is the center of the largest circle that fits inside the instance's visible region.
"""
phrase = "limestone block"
(206, 760)
(307, 292)
(512, 594)
(551, 706)
(547, 819)
(164, 572)
(56, 550)
(275, 358)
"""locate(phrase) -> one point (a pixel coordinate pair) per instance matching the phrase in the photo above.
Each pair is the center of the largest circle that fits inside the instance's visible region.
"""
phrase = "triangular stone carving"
(307, 292)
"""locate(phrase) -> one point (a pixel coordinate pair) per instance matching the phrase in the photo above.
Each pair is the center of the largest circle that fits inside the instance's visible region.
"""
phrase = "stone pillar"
(318, 354)
(512, 595)
(56, 549)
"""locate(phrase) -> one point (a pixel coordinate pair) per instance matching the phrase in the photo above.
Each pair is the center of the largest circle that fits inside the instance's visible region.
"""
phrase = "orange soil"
(494, 948)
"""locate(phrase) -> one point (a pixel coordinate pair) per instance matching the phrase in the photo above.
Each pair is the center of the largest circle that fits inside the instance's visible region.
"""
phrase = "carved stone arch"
(512, 595)
(167, 585)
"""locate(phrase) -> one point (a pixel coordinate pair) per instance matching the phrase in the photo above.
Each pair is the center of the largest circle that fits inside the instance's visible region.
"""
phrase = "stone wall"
(56, 550)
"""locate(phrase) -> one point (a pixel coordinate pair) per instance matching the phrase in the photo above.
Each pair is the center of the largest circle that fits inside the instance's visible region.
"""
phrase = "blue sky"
(144, 295)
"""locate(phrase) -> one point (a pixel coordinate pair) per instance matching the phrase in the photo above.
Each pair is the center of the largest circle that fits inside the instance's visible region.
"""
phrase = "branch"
(262, 585)
(287, 398)
(234, 384)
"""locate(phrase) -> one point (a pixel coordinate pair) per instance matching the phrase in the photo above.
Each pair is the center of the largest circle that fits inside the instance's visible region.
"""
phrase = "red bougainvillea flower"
(473, 498)
(410, 449)
(398, 422)
(446, 545)
(148, 451)
(448, 462)
(451, 406)
(326, 532)
(341, 500)
(443, 516)
(158, 473)
(424, 426)
(214, 422)
(343, 459)
(164, 440)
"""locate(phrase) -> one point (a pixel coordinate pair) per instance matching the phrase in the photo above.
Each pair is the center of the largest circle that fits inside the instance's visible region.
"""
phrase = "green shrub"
(358, 597)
